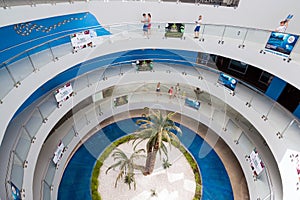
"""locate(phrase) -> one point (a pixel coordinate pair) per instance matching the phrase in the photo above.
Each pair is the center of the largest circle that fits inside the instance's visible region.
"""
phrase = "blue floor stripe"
(75, 183)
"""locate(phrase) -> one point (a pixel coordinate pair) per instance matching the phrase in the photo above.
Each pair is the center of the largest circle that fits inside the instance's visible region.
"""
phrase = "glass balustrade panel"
(50, 173)
(213, 30)
(237, 33)
(6, 82)
(46, 191)
(34, 123)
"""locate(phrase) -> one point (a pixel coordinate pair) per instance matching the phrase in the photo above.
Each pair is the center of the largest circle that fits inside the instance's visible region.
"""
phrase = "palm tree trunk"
(150, 161)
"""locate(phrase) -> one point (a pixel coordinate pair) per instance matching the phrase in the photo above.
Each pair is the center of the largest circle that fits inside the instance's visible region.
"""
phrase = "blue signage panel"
(281, 43)
(227, 81)
(192, 103)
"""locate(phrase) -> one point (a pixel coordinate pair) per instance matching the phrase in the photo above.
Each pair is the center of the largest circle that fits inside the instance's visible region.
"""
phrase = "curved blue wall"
(24, 36)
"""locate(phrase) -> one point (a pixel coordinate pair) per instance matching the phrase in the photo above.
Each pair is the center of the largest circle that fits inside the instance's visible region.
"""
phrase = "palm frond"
(113, 166)
(174, 137)
(119, 154)
(164, 149)
(139, 151)
(174, 128)
(143, 121)
(136, 154)
(120, 175)
(166, 136)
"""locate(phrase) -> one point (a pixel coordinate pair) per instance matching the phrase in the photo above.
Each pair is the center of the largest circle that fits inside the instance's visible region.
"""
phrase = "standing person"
(158, 88)
(170, 92)
(177, 89)
(149, 23)
(145, 26)
(198, 92)
(197, 28)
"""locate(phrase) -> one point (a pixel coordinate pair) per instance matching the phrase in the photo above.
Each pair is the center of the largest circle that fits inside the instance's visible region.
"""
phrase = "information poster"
(58, 153)
(83, 39)
(281, 43)
(64, 93)
(256, 163)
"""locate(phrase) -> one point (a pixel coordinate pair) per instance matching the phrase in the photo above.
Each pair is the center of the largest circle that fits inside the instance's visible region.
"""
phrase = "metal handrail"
(142, 92)
(102, 26)
(5, 4)
(210, 69)
(50, 95)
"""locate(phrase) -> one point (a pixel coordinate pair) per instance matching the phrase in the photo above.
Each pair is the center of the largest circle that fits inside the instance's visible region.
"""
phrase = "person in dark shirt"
(198, 92)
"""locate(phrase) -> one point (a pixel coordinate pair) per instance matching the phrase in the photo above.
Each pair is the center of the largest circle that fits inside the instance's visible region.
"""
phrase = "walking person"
(197, 28)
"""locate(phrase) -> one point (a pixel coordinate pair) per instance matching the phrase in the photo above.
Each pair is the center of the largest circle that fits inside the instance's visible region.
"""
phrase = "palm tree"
(126, 165)
(156, 128)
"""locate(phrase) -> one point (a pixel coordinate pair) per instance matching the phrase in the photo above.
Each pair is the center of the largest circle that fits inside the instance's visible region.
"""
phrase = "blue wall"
(297, 111)
(275, 88)
(160, 55)
(21, 37)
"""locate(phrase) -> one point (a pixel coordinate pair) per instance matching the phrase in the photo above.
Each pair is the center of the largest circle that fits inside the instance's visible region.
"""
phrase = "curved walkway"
(75, 183)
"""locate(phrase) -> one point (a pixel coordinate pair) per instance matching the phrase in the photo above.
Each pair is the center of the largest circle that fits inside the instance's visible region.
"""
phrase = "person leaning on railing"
(197, 28)
(282, 26)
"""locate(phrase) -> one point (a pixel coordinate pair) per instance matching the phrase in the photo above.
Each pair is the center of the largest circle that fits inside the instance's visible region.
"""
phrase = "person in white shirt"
(283, 26)
(145, 26)
(197, 28)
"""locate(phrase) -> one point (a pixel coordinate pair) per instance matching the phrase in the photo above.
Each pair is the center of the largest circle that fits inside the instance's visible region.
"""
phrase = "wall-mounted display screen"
(108, 92)
(227, 81)
(175, 30)
(121, 100)
(238, 66)
(144, 65)
(281, 43)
